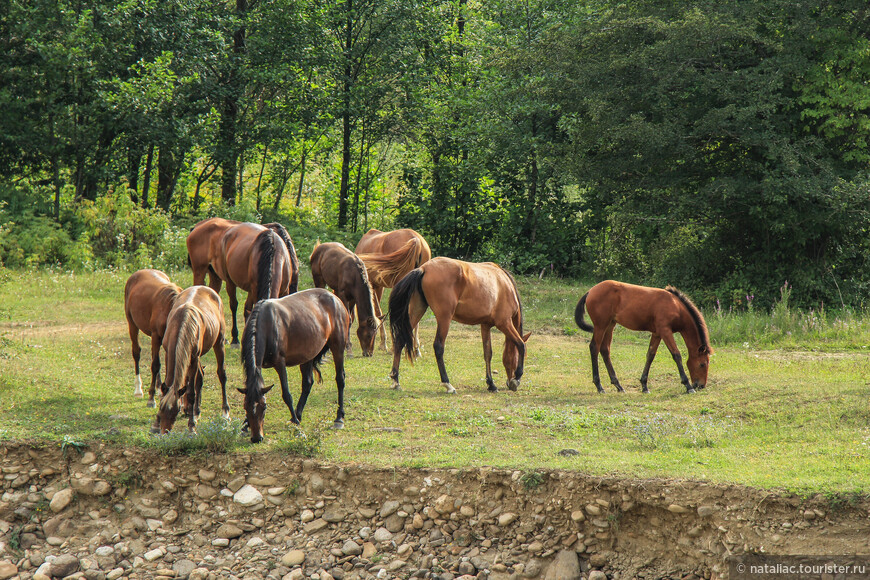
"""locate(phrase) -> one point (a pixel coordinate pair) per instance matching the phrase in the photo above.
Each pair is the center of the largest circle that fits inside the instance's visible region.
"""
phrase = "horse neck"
(690, 332)
(364, 296)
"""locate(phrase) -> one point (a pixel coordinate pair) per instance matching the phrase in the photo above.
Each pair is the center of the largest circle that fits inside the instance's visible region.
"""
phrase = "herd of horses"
(286, 327)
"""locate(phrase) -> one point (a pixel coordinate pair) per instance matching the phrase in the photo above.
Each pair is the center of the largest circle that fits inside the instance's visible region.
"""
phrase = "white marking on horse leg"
(225, 415)
(513, 384)
(449, 387)
(395, 385)
(137, 387)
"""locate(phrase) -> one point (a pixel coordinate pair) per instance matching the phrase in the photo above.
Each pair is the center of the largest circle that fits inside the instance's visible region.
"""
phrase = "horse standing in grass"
(389, 256)
(660, 312)
(294, 330)
(468, 293)
(195, 326)
(260, 260)
(335, 266)
(148, 298)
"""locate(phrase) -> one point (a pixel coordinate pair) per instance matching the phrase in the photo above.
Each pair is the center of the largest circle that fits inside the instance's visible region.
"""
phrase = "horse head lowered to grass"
(659, 312)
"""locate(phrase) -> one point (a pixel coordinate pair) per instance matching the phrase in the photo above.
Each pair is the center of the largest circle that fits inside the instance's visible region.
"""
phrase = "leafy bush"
(29, 240)
(215, 435)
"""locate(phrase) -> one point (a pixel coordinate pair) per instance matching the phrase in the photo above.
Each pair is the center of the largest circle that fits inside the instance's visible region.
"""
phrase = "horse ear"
(181, 391)
(269, 388)
(703, 349)
(526, 337)
(164, 388)
(242, 391)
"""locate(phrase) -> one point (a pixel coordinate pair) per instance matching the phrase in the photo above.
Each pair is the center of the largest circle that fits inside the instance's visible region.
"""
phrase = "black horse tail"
(291, 249)
(580, 313)
(252, 361)
(400, 321)
(265, 243)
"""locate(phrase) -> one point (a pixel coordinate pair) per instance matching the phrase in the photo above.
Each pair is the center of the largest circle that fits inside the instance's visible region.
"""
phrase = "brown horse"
(260, 260)
(468, 293)
(389, 256)
(660, 312)
(148, 298)
(195, 326)
(333, 265)
(293, 330)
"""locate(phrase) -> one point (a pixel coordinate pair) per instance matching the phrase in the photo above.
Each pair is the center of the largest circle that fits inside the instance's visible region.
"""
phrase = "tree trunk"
(166, 169)
(134, 161)
(260, 177)
(230, 113)
(346, 124)
(146, 177)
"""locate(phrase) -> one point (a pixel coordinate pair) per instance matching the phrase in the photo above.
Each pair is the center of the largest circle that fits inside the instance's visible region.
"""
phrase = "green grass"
(781, 410)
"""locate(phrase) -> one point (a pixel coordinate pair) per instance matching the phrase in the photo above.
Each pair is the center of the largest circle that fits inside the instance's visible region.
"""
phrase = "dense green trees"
(719, 146)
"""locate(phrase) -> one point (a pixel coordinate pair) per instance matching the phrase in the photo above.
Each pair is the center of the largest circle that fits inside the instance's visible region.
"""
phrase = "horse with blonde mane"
(388, 257)
(659, 312)
(195, 326)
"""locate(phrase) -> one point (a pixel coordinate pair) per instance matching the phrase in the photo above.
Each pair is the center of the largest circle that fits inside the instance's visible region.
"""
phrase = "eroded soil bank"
(112, 513)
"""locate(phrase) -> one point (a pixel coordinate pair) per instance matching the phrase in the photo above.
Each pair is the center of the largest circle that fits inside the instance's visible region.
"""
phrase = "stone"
(334, 514)
(677, 509)
(507, 519)
(565, 566)
(154, 554)
(220, 542)
(315, 526)
(369, 550)
(445, 504)
(296, 574)
(593, 510)
(351, 548)
(706, 510)
(248, 495)
(389, 508)
(306, 516)
(293, 558)
(535, 547)
(315, 482)
(229, 531)
(597, 575)
(198, 574)
(205, 492)
(183, 567)
(466, 568)
(7, 570)
(383, 535)
(578, 516)
(64, 565)
(394, 523)
(60, 500)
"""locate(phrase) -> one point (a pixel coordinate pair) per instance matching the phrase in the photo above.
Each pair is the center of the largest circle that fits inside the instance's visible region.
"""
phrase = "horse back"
(305, 322)
(148, 298)
(635, 307)
(203, 241)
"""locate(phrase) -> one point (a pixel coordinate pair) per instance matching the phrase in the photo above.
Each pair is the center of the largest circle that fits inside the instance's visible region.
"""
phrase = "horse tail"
(580, 315)
(186, 349)
(291, 249)
(252, 361)
(387, 269)
(315, 363)
(400, 320)
(265, 243)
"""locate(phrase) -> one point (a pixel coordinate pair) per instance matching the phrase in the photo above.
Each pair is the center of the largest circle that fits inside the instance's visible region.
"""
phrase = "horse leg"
(234, 306)
(194, 394)
(486, 335)
(137, 352)
(307, 370)
(281, 369)
(654, 341)
(222, 375)
(378, 292)
(338, 360)
(156, 343)
(438, 348)
(668, 337)
(416, 310)
(605, 355)
(593, 352)
(214, 281)
(350, 305)
(249, 304)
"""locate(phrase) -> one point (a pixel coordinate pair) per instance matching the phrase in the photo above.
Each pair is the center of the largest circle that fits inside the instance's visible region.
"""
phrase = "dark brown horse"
(260, 260)
(468, 293)
(333, 265)
(195, 326)
(148, 298)
(660, 312)
(294, 330)
(389, 256)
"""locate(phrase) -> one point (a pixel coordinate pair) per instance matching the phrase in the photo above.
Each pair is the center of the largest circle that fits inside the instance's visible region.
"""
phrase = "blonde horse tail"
(387, 269)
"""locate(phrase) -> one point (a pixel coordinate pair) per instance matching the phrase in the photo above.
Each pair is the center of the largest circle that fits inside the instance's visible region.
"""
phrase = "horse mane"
(291, 249)
(519, 300)
(367, 285)
(249, 352)
(266, 244)
(385, 269)
(697, 317)
(186, 342)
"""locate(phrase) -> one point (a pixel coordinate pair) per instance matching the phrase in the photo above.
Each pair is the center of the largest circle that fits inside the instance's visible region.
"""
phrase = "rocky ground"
(108, 513)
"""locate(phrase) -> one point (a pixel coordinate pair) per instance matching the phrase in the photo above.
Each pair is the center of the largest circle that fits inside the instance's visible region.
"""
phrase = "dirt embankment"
(124, 513)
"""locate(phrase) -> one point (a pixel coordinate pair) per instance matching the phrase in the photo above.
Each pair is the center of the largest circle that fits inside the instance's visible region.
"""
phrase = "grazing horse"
(195, 326)
(468, 293)
(389, 256)
(260, 260)
(333, 265)
(293, 330)
(148, 298)
(660, 312)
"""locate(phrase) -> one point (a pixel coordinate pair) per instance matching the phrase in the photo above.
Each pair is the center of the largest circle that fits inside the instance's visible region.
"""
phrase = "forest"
(721, 147)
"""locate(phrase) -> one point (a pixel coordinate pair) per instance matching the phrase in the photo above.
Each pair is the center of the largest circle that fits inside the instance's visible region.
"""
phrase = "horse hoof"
(150, 404)
(513, 384)
(338, 425)
(449, 388)
(154, 430)
(690, 391)
(395, 385)
(645, 391)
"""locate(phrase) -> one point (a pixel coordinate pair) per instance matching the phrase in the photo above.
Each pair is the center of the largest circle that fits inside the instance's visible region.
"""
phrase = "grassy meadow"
(787, 403)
